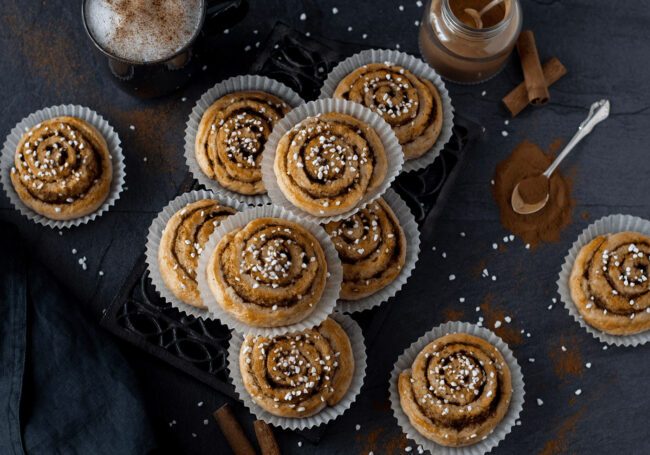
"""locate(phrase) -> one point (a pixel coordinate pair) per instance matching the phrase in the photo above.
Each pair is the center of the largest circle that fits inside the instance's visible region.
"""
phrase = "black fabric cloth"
(64, 387)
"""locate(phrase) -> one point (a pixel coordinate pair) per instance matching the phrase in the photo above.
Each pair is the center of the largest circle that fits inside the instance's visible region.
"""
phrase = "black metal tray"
(199, 348)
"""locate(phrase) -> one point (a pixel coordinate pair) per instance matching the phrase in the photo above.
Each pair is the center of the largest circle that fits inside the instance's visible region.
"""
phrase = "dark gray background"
(45, 59)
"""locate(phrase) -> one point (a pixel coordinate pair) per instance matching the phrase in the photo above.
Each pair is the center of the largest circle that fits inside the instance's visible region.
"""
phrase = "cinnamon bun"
(410, 104)
(300, 374)
(372, 247)
(62, 168)
(457, 390)
(270, 273)
(231, 138)
(326, 164)
(609, 283)
(182, 241)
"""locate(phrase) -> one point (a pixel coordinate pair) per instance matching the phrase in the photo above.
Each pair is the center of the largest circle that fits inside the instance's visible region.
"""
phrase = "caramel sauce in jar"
(459, 51)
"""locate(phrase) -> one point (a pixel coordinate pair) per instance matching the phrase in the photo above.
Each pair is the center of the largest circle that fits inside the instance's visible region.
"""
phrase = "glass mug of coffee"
(149, 43)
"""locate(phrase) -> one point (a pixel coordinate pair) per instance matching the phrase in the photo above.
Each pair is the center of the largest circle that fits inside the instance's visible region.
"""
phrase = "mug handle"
(222, 14)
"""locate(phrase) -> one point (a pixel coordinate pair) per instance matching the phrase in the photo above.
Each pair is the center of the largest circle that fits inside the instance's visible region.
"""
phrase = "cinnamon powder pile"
(534, 190)
(529, 160)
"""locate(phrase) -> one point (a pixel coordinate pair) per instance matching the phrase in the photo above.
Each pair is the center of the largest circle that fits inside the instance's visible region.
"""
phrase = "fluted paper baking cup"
(155, 235)
(611, 224)
(233, 84)
(394, 155)
(417, 67)
(412, 234)
(331, 292)
(326, 415)
(89, 116)
(405, 361)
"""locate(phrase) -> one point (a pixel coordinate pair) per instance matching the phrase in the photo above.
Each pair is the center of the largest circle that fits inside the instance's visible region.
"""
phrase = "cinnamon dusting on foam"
(143, 30)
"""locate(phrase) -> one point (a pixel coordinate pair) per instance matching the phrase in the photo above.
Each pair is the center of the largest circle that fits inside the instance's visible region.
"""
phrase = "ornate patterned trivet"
(199, 347)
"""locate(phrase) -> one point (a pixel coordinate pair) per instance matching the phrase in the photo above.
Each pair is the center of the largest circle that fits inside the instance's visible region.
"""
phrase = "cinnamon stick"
(517, 100)
(265, 439)
(233, 431)
(536, 85)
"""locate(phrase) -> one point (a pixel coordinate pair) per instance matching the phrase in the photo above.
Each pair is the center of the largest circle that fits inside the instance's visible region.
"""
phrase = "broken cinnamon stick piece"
(265, 439)
(517, 100)
(233, 431)
(536, 85)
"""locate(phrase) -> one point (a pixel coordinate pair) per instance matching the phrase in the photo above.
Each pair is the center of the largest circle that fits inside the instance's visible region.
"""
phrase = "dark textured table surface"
(46, 60)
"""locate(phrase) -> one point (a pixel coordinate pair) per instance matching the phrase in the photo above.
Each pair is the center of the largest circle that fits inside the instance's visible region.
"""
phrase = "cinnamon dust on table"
(379, 441)
(56, 60)
(506, 331)
(451, 314)
(559, 442)
(528, 160)
(569, 363)
(479, 267)
(155, 128)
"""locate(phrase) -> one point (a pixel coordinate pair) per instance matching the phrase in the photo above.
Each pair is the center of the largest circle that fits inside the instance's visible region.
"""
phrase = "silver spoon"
(598, 112)
(476, 15)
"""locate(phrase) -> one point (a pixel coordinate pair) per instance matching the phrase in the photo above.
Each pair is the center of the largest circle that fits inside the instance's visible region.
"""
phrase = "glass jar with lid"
(452, 43)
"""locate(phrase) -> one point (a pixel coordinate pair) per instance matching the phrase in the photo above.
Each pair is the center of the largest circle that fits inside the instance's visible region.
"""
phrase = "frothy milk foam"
(143, 30)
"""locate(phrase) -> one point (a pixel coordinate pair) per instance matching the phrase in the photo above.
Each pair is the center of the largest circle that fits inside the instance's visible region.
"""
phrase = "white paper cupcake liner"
(155, 235)
(405, 361)
(233, 84)
(394, 155)
(417, 67)
(326, 415)
(324, 307)
(607, 225)
(89, 116)
(412, 234)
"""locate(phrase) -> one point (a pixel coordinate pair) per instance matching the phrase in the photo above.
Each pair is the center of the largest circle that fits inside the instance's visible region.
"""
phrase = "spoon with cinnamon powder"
(531, 194)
